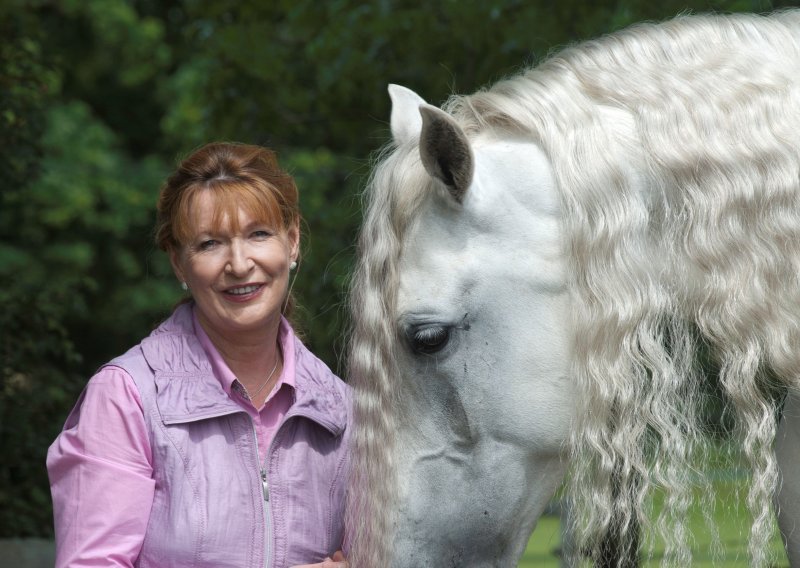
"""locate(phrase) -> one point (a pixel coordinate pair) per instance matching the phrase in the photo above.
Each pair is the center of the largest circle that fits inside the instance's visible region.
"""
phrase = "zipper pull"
(265, 484)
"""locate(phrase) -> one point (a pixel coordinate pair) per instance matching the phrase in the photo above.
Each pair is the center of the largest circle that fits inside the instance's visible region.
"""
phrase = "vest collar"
(188, 390)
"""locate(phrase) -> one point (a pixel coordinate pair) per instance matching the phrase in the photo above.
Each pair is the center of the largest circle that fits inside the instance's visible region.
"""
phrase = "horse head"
(483, 343)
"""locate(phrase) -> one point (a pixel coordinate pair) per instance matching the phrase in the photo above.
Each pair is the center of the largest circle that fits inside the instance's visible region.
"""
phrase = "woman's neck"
(253, 357)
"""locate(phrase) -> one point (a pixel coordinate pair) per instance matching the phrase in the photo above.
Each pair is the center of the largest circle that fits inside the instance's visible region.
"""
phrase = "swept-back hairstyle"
(675, 148)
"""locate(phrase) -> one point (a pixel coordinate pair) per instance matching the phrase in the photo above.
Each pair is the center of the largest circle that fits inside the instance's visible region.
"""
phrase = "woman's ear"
(294, 241)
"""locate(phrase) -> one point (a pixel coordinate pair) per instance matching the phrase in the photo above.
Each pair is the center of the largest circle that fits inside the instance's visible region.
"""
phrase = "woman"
(219, 440)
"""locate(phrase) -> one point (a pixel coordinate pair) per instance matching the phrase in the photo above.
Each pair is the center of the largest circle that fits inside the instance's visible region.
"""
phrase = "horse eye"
(429, 340)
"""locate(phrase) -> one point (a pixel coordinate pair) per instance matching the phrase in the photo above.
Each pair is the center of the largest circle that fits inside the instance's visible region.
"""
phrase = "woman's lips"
(243, 293)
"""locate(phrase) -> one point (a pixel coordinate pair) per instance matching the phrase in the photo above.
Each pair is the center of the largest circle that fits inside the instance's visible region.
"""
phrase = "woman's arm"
(101, 472)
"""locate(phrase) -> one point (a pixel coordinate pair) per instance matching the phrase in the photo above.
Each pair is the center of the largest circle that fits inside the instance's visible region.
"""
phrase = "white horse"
(538, 261)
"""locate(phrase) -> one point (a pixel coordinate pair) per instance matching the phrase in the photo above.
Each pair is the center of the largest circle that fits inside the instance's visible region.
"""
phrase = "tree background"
(99, 99)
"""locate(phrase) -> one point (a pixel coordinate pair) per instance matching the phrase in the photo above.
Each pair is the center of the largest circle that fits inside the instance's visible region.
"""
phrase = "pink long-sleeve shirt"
(107, 462)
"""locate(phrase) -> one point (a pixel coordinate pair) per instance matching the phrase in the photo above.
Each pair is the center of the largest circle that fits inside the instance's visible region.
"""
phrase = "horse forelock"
(713, 138)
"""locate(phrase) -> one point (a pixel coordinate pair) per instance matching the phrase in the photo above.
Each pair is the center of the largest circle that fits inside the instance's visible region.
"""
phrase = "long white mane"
(713, 255)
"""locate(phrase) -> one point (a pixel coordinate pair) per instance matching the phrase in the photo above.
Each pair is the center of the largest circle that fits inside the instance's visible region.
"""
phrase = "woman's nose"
(239, 262)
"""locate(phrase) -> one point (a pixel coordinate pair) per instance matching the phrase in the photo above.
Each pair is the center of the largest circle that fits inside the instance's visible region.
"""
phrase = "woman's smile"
(243, 293)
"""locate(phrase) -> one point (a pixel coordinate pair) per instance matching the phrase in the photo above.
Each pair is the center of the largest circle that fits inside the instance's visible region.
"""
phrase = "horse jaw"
(482, 452)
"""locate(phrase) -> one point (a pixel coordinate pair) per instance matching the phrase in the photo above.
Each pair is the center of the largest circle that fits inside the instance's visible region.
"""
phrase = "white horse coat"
(536, 263)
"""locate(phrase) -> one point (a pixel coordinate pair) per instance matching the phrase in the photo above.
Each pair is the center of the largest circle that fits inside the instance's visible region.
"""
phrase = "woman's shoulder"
(309, 366)
(104, 440)
(111, 387)
(106, 409)
(318, 386)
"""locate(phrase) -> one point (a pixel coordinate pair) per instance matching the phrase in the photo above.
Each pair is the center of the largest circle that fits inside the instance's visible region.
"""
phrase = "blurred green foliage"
(100, 98)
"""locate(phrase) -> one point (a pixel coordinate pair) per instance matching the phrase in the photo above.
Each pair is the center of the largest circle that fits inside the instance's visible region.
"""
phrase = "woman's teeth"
(242, 290)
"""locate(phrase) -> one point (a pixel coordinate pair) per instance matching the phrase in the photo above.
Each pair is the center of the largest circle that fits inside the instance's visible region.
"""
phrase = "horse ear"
(445, 151)
(406, 121)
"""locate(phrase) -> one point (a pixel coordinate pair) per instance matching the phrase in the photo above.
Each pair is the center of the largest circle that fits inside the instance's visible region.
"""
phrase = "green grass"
(542, 545)
(730, 517)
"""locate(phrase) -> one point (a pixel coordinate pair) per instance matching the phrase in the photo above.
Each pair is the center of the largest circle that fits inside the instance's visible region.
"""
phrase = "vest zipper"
(265, 481)
(265, 484)
(266, 504)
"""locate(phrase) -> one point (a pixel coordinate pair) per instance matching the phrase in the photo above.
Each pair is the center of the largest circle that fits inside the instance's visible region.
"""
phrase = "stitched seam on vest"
(195, 492)
(320, 380)
(277, 517)
(153, 418)
(339, 469)
(255, 497)
(344, 461)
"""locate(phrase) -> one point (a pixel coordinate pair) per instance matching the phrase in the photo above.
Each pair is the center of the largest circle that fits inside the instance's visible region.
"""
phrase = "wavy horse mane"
(683, 226)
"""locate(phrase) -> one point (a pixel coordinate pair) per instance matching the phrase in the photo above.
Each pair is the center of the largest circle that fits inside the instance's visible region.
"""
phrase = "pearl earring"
(293, 265)
(184, 286)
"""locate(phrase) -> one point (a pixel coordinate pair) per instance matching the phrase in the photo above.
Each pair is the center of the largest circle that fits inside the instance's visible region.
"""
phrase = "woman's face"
(238, 278)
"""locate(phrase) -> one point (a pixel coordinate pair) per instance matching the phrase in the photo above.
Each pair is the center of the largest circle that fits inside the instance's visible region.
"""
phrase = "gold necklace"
(272, 372)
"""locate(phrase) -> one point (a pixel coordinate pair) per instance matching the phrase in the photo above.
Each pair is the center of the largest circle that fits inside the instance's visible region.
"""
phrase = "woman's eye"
(207, 244)
(430, 340)
(261, 234)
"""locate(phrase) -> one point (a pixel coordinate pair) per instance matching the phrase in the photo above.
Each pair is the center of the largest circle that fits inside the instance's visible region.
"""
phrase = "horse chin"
(457, 508)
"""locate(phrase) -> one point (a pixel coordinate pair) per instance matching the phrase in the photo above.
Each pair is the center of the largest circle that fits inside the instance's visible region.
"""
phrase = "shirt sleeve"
(101, 475)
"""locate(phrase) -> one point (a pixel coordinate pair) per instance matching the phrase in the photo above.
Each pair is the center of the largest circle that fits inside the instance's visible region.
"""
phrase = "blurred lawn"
(729, 515)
